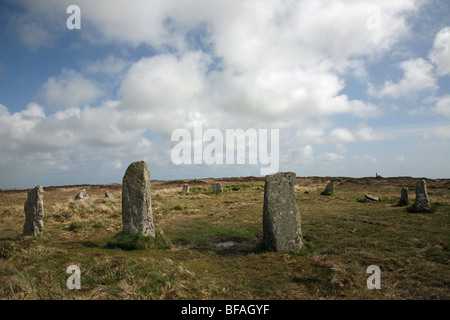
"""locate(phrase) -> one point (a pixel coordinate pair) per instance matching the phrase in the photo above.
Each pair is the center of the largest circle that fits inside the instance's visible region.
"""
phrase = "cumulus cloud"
(69, 90)
(34, 36)
(443, 106)
(440, 53)
(341, 135)
(330, 158)
(418, 77)
(233, 64)
(365, 133)
(111, 65)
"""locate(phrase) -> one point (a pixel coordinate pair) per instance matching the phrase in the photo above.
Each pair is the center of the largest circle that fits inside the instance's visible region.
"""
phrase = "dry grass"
(343, 236)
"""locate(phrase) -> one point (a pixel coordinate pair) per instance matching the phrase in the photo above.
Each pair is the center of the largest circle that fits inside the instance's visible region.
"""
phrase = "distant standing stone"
(218, 187)
(421, 195)
(329, 190)
(281, 218)
(109, 195)
(34, 212)
(185, 188)
(404, 199)
(82, 195)
(137, 216)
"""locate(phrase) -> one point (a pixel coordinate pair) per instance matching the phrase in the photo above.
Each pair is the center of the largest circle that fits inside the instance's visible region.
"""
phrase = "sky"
(353, 88)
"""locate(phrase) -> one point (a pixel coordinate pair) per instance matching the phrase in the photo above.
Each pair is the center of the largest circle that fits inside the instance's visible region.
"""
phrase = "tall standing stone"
(34, 212)
(218, 187)
(329, 190)
(404, 198)
(137, 216)
(281, 218)
(421, 195)
(185, 188)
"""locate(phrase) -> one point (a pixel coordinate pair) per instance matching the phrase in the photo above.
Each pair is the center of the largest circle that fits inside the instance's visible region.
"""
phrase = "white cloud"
(330, 158)
(365, 133)
(363, 159)
(418, 77)
(440, 53)
(443, 106)
(258, 64)
(298, 156)
(34, 35)
(165, 92)
(111, 65)
(341, 135)
(69, 90)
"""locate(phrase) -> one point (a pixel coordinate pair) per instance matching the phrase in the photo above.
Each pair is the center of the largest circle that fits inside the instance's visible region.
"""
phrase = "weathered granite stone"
(329, 190)
(185, 188)
(281, 218)
(109, 195)
(137, 216)
(372, 198)
(218, 187)
(404, 199)
(421, 195)
(82, 195)
(34, 212)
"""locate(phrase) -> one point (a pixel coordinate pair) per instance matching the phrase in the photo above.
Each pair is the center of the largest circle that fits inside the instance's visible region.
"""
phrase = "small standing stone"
(109, 195)
(281, 218)
(421, 195)
(34, 212)
(218, 187)
(404, 199)
(329, 190)
(185, 188)
(82, 195)
(137, 216)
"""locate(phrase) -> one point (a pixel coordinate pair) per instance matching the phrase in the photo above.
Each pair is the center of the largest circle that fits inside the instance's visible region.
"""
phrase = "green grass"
(139, 242)
(342, 237)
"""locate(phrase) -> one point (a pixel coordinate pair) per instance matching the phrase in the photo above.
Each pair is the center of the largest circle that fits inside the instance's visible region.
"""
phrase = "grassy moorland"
(190, 259)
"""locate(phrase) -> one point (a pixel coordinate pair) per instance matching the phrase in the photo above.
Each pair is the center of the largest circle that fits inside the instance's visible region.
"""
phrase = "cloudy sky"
(354, 87)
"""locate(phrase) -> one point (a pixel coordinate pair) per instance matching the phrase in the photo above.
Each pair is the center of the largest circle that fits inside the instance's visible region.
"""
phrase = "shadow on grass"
(414, 209)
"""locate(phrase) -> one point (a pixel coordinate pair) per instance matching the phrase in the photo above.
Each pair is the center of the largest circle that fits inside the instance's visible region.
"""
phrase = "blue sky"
(354, 87)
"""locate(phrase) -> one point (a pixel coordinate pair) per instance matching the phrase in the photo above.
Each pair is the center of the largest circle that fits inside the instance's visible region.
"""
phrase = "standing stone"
(281, 218)
(137, 216)
(34, 212)
(329, 190)
(421, 195)
(82, 195)
(218, 187)
(404, 199)
(109, 195)
(185, 188)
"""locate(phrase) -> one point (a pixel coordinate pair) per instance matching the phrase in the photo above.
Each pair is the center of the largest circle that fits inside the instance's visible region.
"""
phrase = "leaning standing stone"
(281, 218)
(421, 195)
(34, 212)
(372, 198)
(109, 195)
(185, 188)
(329, 190)
(137, 216)
(404, 199)
(218, 187)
